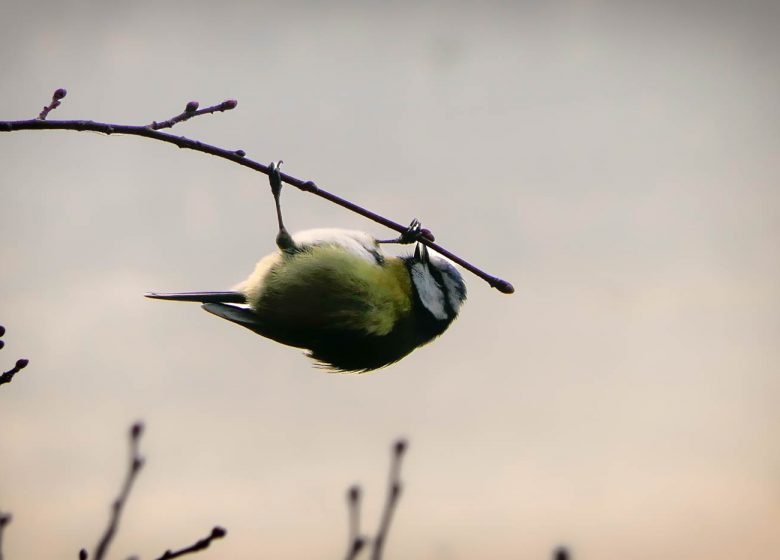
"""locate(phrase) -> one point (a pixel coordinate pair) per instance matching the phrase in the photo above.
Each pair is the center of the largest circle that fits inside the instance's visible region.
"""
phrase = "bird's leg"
(283, 239)
(412, 234)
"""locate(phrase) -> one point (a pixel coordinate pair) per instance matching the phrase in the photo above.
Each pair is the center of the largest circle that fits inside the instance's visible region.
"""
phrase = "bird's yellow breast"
(326, 287)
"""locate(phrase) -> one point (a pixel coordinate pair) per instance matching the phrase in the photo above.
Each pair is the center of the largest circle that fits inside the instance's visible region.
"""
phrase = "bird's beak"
(421, 253)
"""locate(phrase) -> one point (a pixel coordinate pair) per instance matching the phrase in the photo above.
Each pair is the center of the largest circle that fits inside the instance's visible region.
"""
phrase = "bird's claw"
(275, 177)
(413, 234)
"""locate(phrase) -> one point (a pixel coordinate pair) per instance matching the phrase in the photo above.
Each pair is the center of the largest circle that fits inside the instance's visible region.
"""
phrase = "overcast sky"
(617, 162)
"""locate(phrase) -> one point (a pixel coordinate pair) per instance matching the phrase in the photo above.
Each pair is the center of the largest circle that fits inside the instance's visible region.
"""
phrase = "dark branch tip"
(1, 344)
(191, 107)
(137, 430)
(357, 545)
(218, 532)
(502, 286)
(353, 494)
(60, 93)
(400, 447)
(229, 104)
(22, 363)
(2, 330)
(83, 554)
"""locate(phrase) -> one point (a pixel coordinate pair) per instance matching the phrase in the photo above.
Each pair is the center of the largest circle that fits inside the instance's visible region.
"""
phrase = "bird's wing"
(326, 288)
(249, 319)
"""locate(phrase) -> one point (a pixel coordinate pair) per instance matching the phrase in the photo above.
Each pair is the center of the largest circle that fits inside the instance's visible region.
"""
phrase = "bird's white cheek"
(429, 291)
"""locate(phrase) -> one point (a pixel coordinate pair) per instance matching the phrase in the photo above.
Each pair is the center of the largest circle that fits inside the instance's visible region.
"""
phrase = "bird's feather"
(202, 297)
(324, 287)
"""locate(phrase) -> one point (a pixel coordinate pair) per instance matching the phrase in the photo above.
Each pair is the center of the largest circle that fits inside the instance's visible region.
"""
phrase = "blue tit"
(334, 293)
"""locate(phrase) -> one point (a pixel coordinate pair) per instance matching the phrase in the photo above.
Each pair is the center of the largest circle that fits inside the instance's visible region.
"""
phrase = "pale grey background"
(616, 161)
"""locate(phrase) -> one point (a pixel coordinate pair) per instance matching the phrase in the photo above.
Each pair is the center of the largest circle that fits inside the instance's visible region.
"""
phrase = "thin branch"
(239, 157)
(7, 376)
(355, 542)
(5, 519)
(216, 533)
(136, 462)
(393, 494)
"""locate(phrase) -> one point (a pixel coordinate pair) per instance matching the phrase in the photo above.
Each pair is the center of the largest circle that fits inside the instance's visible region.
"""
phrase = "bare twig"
(356, 542)
(393, 494)
(239, 157)
(216, 533)
(136, 462)
(5, 519)
(7, 376)
(55, 102)
(191, 110)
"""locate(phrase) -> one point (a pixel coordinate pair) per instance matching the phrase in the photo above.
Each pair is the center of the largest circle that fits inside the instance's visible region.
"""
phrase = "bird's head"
(438, 286)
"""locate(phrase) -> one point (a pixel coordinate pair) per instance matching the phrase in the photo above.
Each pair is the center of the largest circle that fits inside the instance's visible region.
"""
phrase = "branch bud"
(60, 93)
(136, 430)
(218, 532)
(191, 107)
(354, 494)
(229, 104)
(21, 364)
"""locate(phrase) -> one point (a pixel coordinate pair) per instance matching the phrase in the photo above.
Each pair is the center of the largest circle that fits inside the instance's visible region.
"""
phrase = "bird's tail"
(202, 297)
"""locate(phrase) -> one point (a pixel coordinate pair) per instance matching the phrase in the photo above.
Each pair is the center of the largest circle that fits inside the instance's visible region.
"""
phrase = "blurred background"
(616, 161)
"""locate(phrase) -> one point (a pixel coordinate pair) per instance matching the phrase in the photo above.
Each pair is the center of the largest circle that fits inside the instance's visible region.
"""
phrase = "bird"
(335, 294)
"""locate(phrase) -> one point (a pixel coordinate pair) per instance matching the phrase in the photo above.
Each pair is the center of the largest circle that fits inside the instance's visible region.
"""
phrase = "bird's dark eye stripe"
(378, 257)
(438, 277)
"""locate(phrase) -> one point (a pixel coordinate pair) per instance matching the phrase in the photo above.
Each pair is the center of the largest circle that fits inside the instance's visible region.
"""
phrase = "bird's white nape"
(356, 242)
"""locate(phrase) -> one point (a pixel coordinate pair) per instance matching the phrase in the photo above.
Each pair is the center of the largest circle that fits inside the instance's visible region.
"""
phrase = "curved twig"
(136, 462)
(236, 156)
(356, 542)
(216, 533)
(5, 519)
(391, 500)
(20, 364)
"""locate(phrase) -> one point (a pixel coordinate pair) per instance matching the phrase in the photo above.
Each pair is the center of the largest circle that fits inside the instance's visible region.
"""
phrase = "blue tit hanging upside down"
(335, 294)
